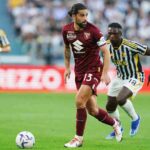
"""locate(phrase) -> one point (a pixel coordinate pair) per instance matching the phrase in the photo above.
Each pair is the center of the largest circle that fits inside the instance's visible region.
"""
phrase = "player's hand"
(148, 80)
(67, 74)
(105, 78)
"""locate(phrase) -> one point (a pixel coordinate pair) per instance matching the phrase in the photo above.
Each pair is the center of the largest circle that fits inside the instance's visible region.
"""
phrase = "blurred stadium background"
(36, 64)
(34, 30)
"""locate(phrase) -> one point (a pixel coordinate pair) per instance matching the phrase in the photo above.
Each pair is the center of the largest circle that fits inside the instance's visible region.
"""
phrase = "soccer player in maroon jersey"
(85, 40)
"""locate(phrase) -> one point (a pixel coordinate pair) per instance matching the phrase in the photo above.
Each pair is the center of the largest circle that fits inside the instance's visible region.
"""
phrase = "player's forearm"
(106, 63)
(67, 56)
(67, 64)
(106, 60)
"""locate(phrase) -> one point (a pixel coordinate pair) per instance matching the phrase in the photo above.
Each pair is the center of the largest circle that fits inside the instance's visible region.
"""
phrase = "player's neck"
(117, 43)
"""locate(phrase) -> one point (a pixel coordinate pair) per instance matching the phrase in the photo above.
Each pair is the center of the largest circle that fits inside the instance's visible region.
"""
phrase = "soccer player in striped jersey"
(4, 43)
(130, 77)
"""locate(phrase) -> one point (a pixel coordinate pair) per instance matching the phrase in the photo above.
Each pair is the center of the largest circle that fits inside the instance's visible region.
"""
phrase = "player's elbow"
(148, 52)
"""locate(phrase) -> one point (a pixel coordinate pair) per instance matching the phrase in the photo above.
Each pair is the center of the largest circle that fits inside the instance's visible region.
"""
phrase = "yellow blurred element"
(2, 33)
(15, 3)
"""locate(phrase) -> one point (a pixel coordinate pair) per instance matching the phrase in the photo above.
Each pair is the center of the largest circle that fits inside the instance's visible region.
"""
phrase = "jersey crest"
(87, 35)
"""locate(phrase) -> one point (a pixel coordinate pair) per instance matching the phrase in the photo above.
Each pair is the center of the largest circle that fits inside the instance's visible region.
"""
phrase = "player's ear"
(73, 16)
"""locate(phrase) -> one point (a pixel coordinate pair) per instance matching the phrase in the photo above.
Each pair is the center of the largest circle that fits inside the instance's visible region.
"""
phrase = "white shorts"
(116, 85)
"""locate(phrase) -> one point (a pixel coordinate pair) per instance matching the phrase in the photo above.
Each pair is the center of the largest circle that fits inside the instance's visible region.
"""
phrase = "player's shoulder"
(129, 43)
(92, 26)
(94, 29)
(108, 42)
(68, 26)
(2, 32)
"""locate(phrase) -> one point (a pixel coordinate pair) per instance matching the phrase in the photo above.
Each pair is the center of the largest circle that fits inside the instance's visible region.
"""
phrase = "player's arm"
(147, 51)
(141, 49)
(106, 56)
(4, 43)
(67, 55)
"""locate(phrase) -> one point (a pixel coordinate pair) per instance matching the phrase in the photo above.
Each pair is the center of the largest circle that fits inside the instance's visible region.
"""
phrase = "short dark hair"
(75, 8)
(115, 25)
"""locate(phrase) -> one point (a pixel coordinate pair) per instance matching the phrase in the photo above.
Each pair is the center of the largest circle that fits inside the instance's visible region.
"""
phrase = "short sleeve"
(140, 48)
(64, 35)
(98, 36)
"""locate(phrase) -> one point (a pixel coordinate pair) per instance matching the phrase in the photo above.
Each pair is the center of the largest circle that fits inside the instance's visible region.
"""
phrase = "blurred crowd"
(38, 23)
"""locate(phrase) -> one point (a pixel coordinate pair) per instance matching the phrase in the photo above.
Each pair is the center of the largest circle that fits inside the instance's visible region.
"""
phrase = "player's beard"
(82, 24)
(116, 43)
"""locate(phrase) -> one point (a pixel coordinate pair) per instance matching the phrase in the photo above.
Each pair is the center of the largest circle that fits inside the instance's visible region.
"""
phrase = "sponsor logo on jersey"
(119, 62)
(77, 45)
(71, 35)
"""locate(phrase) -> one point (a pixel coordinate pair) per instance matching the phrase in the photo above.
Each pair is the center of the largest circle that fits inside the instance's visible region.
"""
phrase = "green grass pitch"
(51, 118)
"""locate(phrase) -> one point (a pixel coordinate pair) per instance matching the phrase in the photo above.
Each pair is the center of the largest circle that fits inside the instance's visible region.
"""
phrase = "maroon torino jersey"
(85, 45)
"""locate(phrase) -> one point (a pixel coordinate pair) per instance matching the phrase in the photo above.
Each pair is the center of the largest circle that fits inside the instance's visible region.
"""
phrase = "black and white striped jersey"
(3, 39)
(126, 59)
